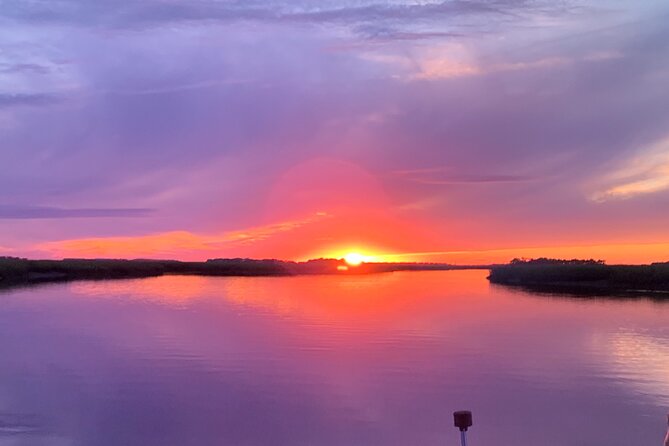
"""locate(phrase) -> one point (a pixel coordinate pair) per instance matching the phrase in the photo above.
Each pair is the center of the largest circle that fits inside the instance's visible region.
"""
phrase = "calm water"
(374, 360)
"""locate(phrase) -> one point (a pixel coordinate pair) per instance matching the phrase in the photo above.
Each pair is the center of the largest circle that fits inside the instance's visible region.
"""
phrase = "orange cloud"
(456, 60)
(645, 173)
(175, 244)
(631, 253)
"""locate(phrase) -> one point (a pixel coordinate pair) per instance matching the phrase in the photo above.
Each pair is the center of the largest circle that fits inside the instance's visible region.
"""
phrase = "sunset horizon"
(160, 249)
(452, 133)
(334, 222)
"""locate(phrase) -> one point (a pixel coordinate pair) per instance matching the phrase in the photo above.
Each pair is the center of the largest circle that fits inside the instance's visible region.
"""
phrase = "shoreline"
(585, 278)
(24, 272)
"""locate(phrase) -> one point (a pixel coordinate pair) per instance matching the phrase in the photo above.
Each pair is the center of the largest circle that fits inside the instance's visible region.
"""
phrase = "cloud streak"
(174, 244)
(45, 212)
(643, 174)
(444, 176)
(24, 68)
(129, 14)
(214, 114)
(8, 100)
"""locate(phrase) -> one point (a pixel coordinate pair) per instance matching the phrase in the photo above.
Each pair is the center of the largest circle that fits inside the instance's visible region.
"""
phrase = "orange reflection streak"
(370, 297)
(346, 324)
(337, 319)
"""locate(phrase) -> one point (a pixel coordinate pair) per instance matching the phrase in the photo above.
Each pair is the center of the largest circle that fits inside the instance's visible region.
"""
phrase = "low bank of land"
(583, 276)
(17, 271)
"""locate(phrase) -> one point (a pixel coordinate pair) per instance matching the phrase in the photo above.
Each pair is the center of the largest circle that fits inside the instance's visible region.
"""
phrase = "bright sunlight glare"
(354, 258)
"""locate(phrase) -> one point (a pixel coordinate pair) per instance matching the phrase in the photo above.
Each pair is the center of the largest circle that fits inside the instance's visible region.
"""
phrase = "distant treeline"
(19, 271)
(582, 275)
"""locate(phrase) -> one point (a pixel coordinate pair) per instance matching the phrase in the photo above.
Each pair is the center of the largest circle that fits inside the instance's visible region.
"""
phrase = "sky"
(405, 130)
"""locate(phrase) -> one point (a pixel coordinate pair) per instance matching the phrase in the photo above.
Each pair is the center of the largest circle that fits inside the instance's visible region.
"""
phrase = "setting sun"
(354, 258)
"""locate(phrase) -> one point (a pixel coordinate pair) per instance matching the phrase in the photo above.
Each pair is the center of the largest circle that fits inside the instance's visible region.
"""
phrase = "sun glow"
(351, 255)
(355, 259)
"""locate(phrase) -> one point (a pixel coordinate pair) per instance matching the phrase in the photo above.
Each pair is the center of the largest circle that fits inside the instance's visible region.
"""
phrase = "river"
(328, 360)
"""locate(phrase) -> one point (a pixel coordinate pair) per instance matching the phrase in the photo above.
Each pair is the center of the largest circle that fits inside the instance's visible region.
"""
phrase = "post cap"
(463, 419)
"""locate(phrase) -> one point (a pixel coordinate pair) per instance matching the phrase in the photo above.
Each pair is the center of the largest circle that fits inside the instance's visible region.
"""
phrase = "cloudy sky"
(408, 129)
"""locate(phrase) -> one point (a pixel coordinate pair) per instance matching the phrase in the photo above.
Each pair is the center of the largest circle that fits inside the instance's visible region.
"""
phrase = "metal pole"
(463, 420)
(463, 438)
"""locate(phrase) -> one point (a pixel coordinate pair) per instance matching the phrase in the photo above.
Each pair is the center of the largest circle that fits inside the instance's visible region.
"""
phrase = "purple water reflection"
(374, 360)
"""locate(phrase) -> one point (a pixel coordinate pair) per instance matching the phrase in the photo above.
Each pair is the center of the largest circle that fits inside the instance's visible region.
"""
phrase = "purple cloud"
(44, 212)
(125, 13)
(24, 68)
(18, 99)
(199, 109)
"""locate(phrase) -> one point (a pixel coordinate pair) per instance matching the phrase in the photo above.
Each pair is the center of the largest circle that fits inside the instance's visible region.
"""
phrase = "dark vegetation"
(17, 271)
(571, 276)
(582, 275)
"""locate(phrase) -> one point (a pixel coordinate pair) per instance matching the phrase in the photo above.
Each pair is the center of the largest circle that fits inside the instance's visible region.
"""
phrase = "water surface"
(324, 360)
